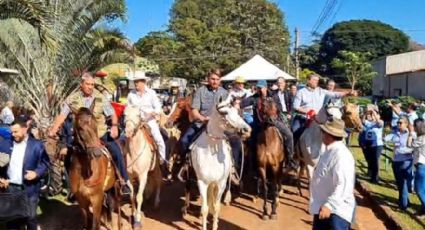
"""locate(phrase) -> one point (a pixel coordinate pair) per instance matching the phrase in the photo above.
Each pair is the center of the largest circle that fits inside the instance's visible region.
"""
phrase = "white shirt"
(16, 164)
(7, 115)
(412, 116)
(419, 150)
(281, 96)
(332, 184)
(148, 102)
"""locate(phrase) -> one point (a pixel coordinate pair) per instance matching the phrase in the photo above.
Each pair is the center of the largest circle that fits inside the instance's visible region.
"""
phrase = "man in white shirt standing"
(332, 199)
(150, 106)
(6, 114)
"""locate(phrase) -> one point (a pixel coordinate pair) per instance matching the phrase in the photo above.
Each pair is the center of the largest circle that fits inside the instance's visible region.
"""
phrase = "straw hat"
(334, 128)
(240, 79)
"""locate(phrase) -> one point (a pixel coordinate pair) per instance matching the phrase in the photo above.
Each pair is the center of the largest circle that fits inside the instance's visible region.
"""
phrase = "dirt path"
(242, 214)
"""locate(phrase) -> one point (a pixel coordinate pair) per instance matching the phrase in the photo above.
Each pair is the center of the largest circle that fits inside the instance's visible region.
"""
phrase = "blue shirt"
(373, 133)
(313, 98)
(395, 118)
(206, 98)
(401, 151)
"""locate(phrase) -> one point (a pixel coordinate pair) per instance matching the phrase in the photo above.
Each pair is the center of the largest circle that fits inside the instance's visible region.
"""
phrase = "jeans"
(403, 176)
(372, 156)
(187, 139)
(420, 184)
(116, 154)
(31, 222)
(287, 138)
(298, 126)
(334, 222)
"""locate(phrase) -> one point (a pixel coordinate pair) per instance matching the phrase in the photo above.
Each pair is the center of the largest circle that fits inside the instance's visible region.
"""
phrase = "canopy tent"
(257, 68)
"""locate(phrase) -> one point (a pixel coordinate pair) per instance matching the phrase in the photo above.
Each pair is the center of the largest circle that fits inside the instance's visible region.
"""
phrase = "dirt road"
(241, 214)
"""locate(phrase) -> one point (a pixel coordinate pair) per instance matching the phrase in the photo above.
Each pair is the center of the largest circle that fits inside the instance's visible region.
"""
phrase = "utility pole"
(297, 61)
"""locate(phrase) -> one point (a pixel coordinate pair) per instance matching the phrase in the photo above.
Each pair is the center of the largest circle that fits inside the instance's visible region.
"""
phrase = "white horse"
(212, 158)
(141, 159)
(310, 145)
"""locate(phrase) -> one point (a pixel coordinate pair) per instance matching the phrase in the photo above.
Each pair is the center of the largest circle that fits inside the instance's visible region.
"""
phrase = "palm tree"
(80, 45)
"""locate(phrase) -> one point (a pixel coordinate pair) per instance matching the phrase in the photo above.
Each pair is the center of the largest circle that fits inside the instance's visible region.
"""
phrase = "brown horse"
(87, 186)
(270, 158)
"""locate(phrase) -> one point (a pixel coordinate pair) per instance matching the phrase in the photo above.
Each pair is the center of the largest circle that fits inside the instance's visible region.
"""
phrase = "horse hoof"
(265, 217)
(273, 216)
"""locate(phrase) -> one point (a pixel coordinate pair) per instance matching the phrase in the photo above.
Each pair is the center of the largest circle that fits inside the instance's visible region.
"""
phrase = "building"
(400, 75)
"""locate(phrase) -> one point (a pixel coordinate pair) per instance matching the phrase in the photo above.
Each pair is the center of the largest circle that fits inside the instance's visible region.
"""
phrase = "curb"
(390, 216)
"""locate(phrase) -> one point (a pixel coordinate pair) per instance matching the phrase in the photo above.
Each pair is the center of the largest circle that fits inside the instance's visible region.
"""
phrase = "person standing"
(418, 145)
(148, 102)
(6, 115)
(332, 199)
(397, 112)
(372, 142)
(28, 164)
(412, 115)
(402, 161)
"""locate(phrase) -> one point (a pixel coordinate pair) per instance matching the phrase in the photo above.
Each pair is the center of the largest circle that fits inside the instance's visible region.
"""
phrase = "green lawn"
(386, 192)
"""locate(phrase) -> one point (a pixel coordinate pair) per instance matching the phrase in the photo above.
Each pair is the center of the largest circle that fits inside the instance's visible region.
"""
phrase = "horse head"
(270, 108)
(352, 117)
(231, 121)
(85, 126)
(132, 120)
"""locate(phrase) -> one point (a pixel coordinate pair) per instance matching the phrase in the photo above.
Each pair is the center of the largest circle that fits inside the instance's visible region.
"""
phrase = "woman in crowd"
(402, 161)
(419, 162)
(371, 141)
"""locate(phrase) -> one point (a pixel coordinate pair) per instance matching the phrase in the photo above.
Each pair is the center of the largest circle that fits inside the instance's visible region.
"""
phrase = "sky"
(145, 16)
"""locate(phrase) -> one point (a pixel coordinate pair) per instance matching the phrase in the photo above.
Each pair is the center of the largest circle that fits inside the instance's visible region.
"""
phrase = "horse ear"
(73, 110)
(92, 106)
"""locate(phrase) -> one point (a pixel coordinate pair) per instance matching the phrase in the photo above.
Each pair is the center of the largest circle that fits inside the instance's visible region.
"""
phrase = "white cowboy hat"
(174, 84)
(335, 128)
(139, 76)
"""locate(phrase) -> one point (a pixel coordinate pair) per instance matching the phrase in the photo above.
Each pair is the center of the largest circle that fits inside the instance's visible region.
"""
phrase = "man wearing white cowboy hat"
(172, 97)
(332, 187)
(150, 106)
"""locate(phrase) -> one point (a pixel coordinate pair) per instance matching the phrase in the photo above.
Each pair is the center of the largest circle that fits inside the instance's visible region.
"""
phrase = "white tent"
(257, 68)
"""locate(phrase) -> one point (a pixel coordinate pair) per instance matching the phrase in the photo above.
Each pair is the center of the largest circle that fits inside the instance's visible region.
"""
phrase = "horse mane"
(270, 108)
(85, 128)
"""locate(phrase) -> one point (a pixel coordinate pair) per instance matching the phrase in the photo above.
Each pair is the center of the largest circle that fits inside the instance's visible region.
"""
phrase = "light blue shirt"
(401, 151)
(395, 118)
(16, 164)
(148, 102)
(313, 98)
(412, 116)
(374, 132)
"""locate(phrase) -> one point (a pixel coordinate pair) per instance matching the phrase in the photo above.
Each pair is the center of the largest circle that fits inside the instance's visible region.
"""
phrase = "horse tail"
(212, 193)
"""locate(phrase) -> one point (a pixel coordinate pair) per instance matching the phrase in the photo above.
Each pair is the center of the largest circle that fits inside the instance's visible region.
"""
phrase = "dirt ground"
(243, 213)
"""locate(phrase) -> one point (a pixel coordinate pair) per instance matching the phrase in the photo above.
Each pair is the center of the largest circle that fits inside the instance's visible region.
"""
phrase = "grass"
(386, 192)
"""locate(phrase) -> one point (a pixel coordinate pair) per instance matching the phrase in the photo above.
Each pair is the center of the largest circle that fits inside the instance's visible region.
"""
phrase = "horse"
(309, 146)
(270, 159)
(141, 159)
(103, 180)
(212, 159)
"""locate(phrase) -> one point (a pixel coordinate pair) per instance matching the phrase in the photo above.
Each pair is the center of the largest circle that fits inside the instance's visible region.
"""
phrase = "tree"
(48, 74)
(358, 71)
(377, 38)
(225, 33)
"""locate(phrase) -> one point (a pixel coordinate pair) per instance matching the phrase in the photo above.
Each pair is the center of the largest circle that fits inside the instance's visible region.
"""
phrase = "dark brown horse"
(90, 186)
(270, 158)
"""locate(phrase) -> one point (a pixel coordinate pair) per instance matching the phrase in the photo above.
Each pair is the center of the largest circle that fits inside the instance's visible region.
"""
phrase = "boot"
(96, 167)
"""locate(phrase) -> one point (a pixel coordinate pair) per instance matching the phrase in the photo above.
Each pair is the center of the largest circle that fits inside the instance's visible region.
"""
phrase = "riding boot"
(96, 167)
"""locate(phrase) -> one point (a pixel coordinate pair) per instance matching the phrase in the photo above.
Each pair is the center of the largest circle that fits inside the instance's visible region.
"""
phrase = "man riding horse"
(205, 98)
(85, 97)
(257, 101)
(148, 102)
(309, 101)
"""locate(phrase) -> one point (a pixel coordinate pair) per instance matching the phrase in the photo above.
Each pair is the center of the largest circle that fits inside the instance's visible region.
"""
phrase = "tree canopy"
(208, 33)
(376, 38)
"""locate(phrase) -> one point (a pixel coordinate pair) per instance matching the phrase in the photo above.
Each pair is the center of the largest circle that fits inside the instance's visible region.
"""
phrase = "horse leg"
(186, 198)
(300, 174)
(85, 212)
(139, 197)
(263, 176)
(258, 190)
(157, 197)
(275, 192)
(204, 208)
(97, 203)
(217, 204)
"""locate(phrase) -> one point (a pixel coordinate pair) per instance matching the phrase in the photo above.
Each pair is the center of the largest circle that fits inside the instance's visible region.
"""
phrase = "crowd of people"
(332, 199)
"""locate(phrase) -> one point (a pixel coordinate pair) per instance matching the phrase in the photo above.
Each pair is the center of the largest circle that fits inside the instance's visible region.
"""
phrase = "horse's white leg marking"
(204, 207)
(142, 184)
